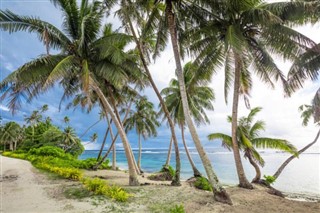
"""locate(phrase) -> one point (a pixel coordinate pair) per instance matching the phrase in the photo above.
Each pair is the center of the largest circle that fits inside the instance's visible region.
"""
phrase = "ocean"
(301, 176)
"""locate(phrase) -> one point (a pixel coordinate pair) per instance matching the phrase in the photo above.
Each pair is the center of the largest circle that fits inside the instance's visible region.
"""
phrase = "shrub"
(269, 179)
(99, 187)
(169, 169)
(203, 183)
(95, 185)
(90, 162)
(117, 193)
(177, 209)
(50, 151)
(15, 155)
(69, 173)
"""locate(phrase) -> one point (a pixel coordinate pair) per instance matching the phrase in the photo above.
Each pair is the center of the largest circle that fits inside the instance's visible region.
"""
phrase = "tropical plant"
(11, 133)
(133, 20)
(239, 34)
(144, 121)
(200, 98)
(248, 141)
(85, 63)
(307, 111)
(168, 18)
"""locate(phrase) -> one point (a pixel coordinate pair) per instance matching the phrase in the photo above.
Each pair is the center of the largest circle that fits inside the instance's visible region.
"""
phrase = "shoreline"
(296, 196)
(34, 191)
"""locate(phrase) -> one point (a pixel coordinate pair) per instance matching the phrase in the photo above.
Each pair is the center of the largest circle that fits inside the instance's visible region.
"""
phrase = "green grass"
(77, 193)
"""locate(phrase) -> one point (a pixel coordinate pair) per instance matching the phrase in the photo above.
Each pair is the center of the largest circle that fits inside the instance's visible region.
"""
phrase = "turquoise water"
(300, 176)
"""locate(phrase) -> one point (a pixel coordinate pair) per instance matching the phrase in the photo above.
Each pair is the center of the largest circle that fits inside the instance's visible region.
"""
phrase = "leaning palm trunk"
(169, 154)
(85, 132)
(219, 192)
(103, 142)
(114, 167)
(113, 140)
(176, 179)
(196, 172)
(281, 168)
(243, 182)
(113, 102)
(133, 178)
(257, 178)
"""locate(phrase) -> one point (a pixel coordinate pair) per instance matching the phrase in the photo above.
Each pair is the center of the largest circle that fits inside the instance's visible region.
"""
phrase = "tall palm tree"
(132, 14)
(84, 60)
(33, 120)
(239, 34)
(248, 139)
(144, 120)
(173, 15)
(307, 112)
(200, 98)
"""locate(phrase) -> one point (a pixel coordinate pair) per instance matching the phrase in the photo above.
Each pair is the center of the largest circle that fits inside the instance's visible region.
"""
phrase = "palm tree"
(248, 140)
(144, 120)
(133, 20)
(238, 34)
(84, 61)
(11, 133)
(66, 120)
(173, 15)
(199, 96)
(33, 120)
(307, 111)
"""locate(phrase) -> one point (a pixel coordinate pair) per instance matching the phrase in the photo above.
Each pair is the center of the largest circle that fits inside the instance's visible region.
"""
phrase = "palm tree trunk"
(114, 140)
(85, 132)
(140, 149)
(103, 142)
(281, 168)
(257, 178)
(11, 146)
(243, 182)
(133, 177)
(114, 157)
(114, 167)
(196, 172)
(169, 154)
(176, 179)
(113, 102)
(219, 192)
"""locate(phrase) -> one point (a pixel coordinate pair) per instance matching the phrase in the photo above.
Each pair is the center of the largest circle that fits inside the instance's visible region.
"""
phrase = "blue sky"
(280, 114)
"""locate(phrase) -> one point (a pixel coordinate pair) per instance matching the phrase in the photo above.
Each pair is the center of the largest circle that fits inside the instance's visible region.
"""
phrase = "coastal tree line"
(95, 67)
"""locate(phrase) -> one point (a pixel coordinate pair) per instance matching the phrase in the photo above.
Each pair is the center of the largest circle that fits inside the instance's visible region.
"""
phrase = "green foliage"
(69, 173)
(96, 185)
(203, 183)
(49, 151)
(169, 169)
(99, 187)
(117, 193)
(269, 179)
(177, 209)
(90, 162)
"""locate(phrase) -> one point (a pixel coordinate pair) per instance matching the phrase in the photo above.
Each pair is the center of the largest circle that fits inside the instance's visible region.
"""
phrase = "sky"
(280, 113)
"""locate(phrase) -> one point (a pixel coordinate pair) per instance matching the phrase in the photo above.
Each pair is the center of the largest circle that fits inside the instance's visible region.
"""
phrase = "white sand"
(24, 189)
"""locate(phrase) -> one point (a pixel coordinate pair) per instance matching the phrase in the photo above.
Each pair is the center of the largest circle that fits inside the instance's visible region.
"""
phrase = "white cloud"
(91, 146)
(4, 108)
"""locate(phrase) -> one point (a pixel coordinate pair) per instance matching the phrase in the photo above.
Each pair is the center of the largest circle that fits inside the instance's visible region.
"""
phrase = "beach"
(26, 189)
(301, 176)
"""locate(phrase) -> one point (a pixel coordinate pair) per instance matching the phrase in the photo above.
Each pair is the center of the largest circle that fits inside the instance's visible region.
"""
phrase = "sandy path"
(23, 189)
